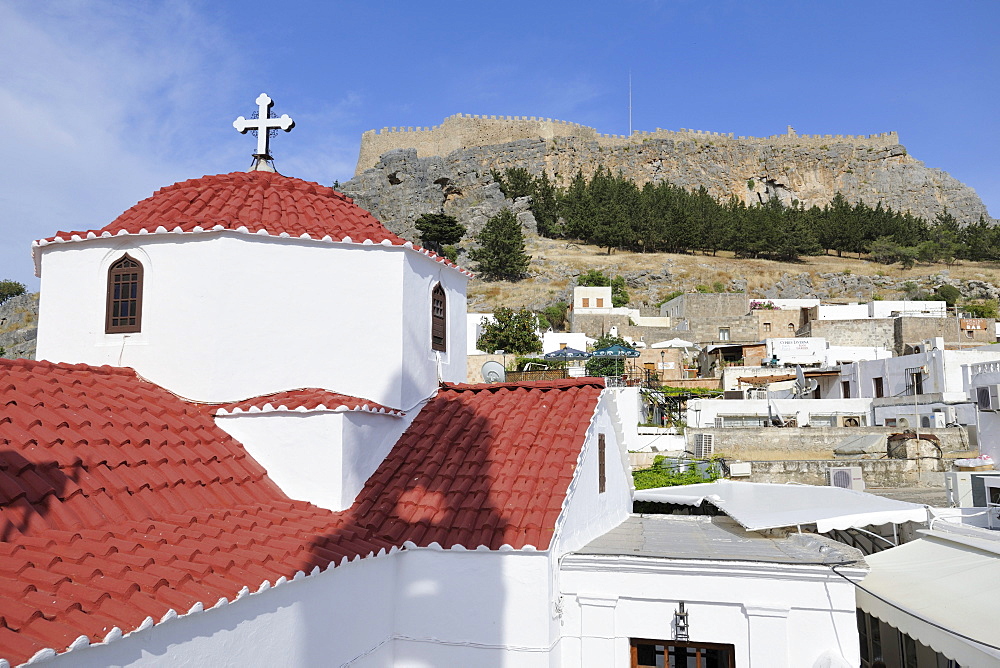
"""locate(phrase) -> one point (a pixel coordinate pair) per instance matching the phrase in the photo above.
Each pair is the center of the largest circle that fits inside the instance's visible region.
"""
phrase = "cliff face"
(18, 326)
(401, 185)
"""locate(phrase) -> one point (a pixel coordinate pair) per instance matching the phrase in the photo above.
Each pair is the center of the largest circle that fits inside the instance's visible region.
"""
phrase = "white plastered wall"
(420, 364)
(323, 457)
(474, 608)
(417, 608)
(775, 615)
(329, 619)
(587, 513)
(228, 316)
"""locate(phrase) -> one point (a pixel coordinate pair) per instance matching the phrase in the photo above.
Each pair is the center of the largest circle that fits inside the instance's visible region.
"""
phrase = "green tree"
(514, 182)
(501, 249)
(9, 288)
(607, 366)
(555, 315)
(948, 294)
(513, 332)
(438, 230)
(988, 309)
(593, 278)
(619, 295)
(545, 206)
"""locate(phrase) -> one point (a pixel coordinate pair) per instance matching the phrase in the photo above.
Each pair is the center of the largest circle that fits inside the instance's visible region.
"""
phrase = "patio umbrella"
(566, 354)
(616, 351)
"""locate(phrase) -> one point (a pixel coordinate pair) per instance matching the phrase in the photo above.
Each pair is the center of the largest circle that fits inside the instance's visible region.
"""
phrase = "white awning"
(948, 579)
(673, 343)
(758, 506)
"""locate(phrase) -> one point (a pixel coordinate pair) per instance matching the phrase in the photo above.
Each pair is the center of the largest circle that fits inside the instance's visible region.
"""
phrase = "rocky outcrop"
(19, 326)
(401, 186)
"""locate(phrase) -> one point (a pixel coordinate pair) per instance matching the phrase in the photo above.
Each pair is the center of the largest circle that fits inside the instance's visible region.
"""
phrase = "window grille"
(124, 301)
(439, 321)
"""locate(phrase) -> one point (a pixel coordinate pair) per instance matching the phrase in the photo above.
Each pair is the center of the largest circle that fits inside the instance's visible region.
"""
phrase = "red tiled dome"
(257, 201)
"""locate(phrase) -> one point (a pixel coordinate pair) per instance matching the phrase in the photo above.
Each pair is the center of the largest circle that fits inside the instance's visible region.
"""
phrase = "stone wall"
(465, 131)
(909, 331)
(779, 443)
(19, 326)
(875, 472)
(862, 332)
(697, 305)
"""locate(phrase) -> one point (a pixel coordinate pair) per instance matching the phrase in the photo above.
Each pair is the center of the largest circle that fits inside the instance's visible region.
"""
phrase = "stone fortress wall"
(463, 131)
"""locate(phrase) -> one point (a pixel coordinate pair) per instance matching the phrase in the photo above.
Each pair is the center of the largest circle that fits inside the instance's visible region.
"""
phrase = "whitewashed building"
(182, 483)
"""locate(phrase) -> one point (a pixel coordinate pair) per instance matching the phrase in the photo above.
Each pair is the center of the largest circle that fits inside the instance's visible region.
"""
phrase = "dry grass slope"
(555, 262)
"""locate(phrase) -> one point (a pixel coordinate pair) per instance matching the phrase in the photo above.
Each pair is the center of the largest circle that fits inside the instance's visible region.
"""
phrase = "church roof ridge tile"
(252, 203)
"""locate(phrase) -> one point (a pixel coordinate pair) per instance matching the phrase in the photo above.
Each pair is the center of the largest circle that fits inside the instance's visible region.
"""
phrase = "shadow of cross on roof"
(29, 490)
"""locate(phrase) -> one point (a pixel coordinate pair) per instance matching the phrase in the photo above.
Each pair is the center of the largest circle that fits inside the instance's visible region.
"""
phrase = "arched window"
(439, 331)
(124, 312)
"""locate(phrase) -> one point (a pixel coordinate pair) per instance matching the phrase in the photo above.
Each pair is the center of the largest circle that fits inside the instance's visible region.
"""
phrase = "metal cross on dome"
(263, 125)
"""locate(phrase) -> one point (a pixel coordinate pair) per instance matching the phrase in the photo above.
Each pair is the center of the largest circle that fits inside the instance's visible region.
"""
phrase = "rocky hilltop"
(18, 325)
(410, 178)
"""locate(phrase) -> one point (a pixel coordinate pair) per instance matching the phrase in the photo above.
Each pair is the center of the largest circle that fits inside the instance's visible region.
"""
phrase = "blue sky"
(104, 102)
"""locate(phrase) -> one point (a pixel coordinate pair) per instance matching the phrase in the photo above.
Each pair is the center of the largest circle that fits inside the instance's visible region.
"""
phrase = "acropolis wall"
(464, 131)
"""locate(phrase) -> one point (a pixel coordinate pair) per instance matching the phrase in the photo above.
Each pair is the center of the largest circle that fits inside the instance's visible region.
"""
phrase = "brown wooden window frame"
(113, 322)
(634, 643)
(602, 477)
(439, 319)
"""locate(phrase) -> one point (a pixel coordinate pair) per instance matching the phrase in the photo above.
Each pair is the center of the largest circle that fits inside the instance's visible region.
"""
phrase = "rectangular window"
(601, 471)
(723, 333)
(879, 387)
(584, 302)
(676, 654)
(600, 302)
(914, 381)
(767, 327)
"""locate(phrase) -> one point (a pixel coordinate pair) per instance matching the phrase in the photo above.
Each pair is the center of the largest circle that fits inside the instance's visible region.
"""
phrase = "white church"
(185, 482)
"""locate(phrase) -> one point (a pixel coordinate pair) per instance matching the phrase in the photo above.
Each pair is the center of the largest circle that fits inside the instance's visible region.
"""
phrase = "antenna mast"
(630, 102)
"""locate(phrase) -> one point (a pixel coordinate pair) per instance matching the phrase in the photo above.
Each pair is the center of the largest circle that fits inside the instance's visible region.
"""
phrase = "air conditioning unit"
(948, 415)
(968, 489)
(850, 420)
(935, 420)
(847, 477)
(988, 397)
(704, 446)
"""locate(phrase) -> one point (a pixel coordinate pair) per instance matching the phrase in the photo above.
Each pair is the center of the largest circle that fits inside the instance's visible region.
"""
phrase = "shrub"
(9, 288)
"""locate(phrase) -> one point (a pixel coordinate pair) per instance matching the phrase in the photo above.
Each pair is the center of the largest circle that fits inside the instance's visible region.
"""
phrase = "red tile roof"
(120, 502)
(254, 202)
(305, 399)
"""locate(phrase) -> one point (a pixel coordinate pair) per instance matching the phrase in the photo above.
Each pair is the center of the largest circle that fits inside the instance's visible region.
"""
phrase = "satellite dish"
(493, 372)
(803, 388)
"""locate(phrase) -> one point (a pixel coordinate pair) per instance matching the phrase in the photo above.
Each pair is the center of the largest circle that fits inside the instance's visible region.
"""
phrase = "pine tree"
(545, 207)
(501, 249)
(438, 230)
(510, 331)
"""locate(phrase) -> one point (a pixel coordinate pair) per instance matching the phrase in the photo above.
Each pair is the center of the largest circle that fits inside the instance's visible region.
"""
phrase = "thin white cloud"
(104, 104)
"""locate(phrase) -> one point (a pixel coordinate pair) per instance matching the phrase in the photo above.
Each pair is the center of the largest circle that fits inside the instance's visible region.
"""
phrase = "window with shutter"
(439, 322)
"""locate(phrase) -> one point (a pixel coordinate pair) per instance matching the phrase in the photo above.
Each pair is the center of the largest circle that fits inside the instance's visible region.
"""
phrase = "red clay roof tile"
(251, 203)
(172, 511)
